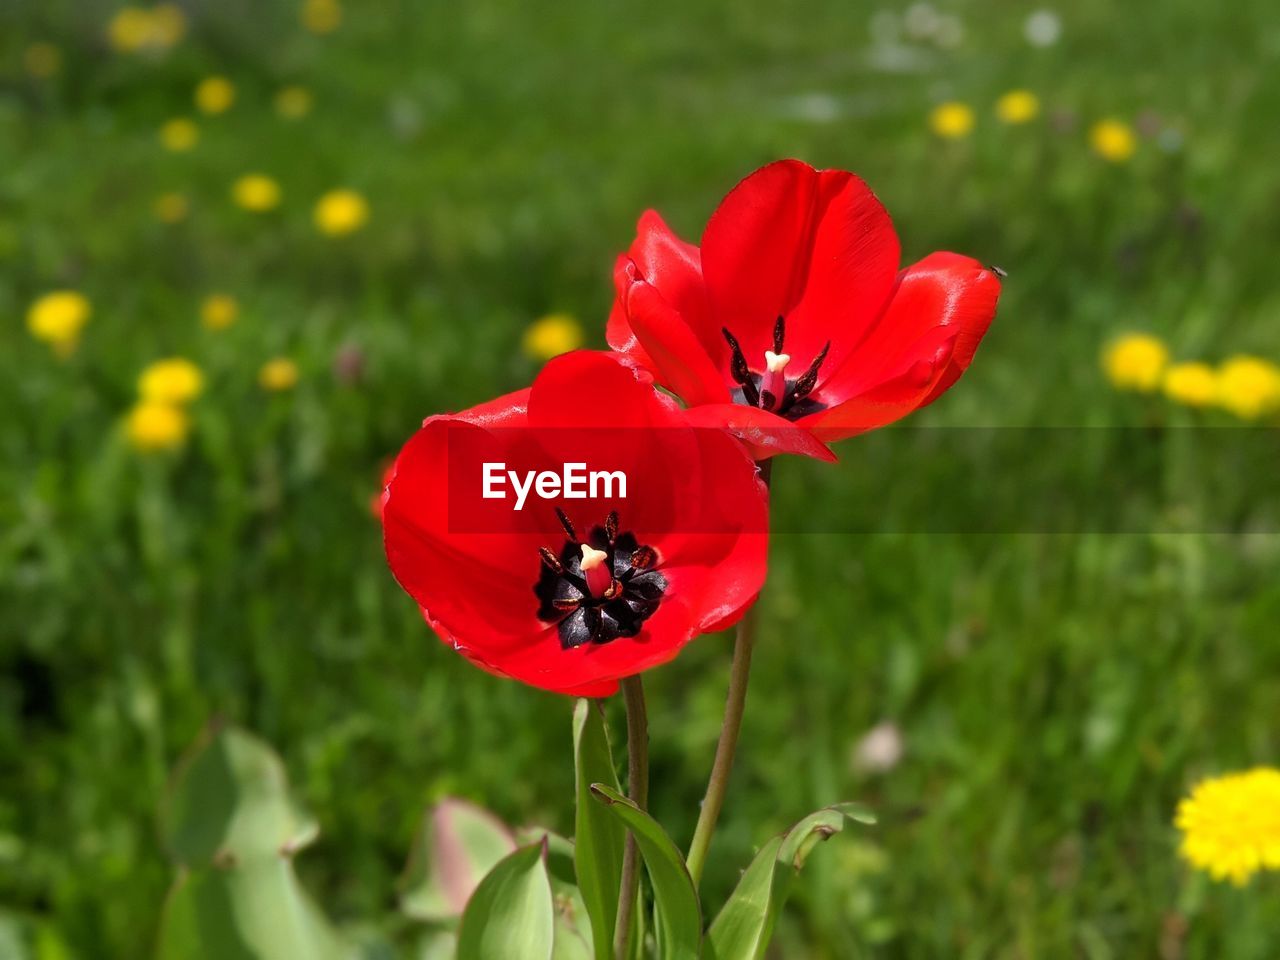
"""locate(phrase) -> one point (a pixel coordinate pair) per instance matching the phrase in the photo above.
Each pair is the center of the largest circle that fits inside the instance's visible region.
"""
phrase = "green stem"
(735, 704)
(638, 787)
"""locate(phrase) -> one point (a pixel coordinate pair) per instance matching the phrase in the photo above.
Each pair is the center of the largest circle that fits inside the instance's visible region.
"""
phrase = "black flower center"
(627, 587)
(772, 390)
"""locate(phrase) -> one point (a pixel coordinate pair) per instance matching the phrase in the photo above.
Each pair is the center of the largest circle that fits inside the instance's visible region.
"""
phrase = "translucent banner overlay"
(900, 480)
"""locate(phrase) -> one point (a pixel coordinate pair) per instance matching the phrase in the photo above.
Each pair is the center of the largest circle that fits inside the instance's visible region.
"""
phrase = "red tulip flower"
(572, 594)
(792, 324)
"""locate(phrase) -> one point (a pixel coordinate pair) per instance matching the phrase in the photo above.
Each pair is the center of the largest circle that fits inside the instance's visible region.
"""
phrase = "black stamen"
(804, 386)
(549, 558)
(568, 527)
(779, 334)
(644, 557)
(611, 526)
(566, 603)
(738, 363)
(999, 272)
(767, 400)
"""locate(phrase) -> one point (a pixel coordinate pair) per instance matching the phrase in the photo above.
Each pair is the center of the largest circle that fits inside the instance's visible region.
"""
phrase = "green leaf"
(600, 837)
(573, 927)
(742, 929)
(679, 918)
(511, 915)
(253, 911)
(457, 844)
(230, 801)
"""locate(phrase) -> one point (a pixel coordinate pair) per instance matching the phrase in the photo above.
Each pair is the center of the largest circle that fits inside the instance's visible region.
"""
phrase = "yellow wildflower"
(1231, 824)
(340, 212)
(1249, 387)
(134, 29)
(170, 207)
(1018, 106)
(219, 311)
(42, 60)
(215, 95)
(57, 318)
(952, 120)
(321, 16)
(293, 102)
(1113, 140)
(153, 426)
(256, 192)
(1191, 384)
(179, 134)
(551, 336)
(1136, 361)
(278, 374)
(173, 381)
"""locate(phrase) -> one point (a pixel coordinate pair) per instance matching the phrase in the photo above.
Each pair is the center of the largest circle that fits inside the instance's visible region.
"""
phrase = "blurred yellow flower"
(173, 381)
(340, 212)
(42, 60)
(256, 192)
(952, 120)
(170, 207)
(1231, 824)
(1113, 140)
(1249, 387)
(321, 16)
(1018, 106)
(293, 102)
(278, 374)
(179, 134)
(153, 426)
(219, 311)
(57, 319)
(134, 29)
(215, 95)
(1191, 384)
(551, 336)
(1136, 361)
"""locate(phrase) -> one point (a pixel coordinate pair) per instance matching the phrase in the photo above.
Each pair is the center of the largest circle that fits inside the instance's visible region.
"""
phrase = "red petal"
(765, 434)
(678, 359)
(944, 290)
(813, 246)
(674, 268)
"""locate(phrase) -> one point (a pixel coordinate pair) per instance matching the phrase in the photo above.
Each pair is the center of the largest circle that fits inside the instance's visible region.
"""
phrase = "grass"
(1058, 691)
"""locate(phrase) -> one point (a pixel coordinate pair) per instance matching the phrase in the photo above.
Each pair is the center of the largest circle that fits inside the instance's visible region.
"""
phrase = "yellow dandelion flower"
(293, 102)
(57, 319)
(219, 311)
(1249, 387)
(952, 120)
(215, 95)
(42, 60)
(1136, 361)
(321, 16)
(135, 29)
(340, 212)
(1018, 106)
(551, 336)
(256, 192)
(1113, 140)
(179, 135)
(170, 207)
(1231, 824)
(278, 374)
(1191, 384)
(153, 426)
(129, 30)
(173, 381)
(168, 24)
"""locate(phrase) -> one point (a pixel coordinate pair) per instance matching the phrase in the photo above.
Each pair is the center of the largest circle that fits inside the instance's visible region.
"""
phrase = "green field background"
(1057, 691)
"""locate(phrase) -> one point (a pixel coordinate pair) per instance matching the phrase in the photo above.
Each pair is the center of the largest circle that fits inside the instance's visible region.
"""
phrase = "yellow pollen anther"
(592, 558)
(776, 362)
